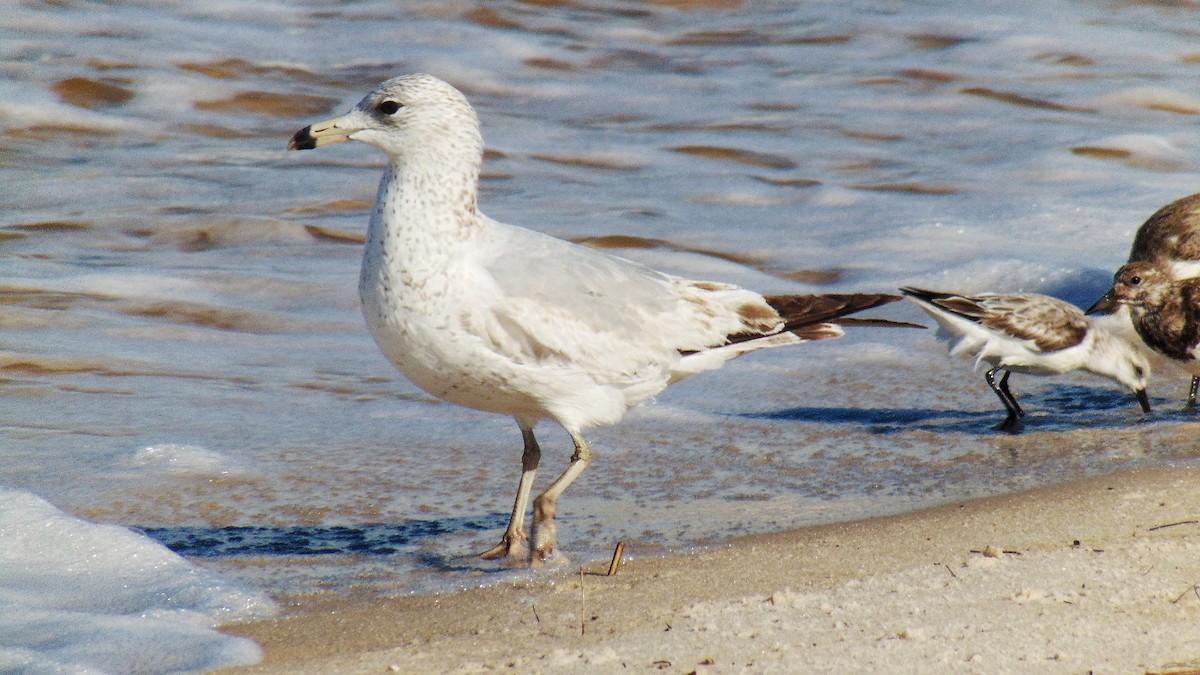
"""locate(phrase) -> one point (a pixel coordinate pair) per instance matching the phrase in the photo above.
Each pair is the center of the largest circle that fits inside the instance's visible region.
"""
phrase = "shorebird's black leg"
(1011, 399)
(1191, 399)
(1012, 423)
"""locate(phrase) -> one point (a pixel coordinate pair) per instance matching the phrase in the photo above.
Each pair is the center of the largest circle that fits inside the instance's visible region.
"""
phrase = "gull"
(1170, 238)
(1031, 333)
(507, 320)
(1165, 310)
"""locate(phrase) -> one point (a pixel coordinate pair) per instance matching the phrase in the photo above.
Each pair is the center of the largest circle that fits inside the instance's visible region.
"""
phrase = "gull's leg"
(543, 542)
(512, 544)
(1191, 399)
(1012, 423)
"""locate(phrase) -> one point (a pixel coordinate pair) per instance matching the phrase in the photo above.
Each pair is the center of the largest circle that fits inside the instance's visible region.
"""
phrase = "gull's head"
(401, 115)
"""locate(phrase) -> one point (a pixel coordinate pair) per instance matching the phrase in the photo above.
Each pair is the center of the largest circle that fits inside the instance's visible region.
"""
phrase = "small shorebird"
(1031, 333)
(503, 319)
(1165, 311)
(1169, 238)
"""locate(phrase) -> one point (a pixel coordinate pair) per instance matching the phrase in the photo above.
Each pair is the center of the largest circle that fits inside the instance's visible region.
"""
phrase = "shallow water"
(182, 351)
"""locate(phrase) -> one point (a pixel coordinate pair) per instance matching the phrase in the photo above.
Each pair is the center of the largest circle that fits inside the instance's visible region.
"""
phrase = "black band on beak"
(303, 140)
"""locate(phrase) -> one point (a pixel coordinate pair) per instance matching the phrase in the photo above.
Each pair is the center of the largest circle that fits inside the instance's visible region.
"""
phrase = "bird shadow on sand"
(370, 539)
(1062, 408)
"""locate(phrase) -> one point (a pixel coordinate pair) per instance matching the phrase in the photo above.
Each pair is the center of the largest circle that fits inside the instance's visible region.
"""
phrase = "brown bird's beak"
(1107, 304)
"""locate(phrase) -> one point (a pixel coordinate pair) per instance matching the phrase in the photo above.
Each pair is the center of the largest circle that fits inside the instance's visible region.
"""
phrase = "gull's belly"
(451, 365)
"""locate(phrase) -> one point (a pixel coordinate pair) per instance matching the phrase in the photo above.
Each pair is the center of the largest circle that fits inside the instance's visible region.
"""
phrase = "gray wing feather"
(561, 302)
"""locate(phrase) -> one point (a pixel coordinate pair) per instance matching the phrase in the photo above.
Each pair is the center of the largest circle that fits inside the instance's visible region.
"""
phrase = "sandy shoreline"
(1099, 575)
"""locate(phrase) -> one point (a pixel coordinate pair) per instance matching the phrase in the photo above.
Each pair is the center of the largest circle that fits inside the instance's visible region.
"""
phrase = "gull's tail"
(816, 317)
(805, 318)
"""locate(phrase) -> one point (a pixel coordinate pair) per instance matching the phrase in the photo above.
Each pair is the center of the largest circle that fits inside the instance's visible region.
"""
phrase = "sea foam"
(76, 596)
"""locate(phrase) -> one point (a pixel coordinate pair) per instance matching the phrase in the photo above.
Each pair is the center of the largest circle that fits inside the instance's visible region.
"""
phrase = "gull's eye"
(389, 107)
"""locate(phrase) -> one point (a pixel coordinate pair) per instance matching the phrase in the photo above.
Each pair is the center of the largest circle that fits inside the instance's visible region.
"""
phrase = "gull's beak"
(1107, 304)
(321, 133)
(1143, 399)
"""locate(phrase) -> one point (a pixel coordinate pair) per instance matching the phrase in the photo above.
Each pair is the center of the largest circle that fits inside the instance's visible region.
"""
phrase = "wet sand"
(1100, 574)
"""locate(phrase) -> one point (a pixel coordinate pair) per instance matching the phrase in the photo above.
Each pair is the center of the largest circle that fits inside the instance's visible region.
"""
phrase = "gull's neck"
(425, 212)
(426, 201)
(430, 193)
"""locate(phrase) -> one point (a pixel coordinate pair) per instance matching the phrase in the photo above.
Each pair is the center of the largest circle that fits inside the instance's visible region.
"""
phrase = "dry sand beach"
(1100, 575)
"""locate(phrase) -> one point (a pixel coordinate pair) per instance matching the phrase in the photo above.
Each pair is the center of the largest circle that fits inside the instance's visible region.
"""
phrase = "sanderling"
(1031, 333)
(504, 319)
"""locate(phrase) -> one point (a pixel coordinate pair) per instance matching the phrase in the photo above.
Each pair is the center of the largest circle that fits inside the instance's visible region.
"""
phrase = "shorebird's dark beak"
(1143, 399)
(1107, 304)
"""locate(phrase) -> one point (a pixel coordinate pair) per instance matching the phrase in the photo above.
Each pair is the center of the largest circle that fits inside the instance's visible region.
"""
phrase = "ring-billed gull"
(1035, 334)
(511, 321)
(1171, 238)
(1165, 310)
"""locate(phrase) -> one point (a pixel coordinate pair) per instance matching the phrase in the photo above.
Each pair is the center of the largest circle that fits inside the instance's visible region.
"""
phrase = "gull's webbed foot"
(512, 546)
(543, 548)
(544, 536)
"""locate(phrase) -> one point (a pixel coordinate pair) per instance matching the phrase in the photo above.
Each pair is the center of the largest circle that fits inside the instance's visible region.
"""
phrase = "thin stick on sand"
(1193, 589)
(1182, 522)
(618, 554)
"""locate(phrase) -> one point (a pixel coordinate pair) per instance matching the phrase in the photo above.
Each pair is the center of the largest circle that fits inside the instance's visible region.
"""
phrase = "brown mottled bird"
(1031, 333)
(504, 319)
(1170, 238)
(1165, 310)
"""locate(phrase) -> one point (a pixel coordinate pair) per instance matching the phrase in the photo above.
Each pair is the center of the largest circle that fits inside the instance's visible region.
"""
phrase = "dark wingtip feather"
(806, 310)
(966, 307)
(871, 321)
(817, 317)
(923, 294)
